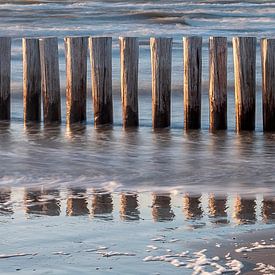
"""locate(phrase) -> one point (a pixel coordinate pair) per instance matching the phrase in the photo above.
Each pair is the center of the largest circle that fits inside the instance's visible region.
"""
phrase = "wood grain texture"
(76, 78)
(218, 83)
(268, 83)
(31, 80)
(192, 82)
(101, 69)
(5, 77)
(161, 63)
(244, 51)
(129, 56)
(50, 79)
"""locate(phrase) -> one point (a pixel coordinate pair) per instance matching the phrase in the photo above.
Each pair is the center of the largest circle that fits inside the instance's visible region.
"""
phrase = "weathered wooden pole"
(268, 83)
(50, 79)
(244, 51)
(31, 80)
(129, 55)
(192, 82)
(218, 83)
(76, 83)
(161, 62)
(5, 76)
(101, 69)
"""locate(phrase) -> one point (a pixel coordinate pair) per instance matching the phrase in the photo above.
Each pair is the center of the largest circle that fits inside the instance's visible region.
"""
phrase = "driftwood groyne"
(41, 80)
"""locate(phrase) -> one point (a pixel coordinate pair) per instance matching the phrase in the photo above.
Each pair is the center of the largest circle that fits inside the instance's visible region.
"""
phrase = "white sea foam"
(115, 253)
(255, 246)
(5, 256)
(153, 247)
(265, 268)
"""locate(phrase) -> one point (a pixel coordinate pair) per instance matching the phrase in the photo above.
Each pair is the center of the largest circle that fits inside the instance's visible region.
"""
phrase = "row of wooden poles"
(41, 75)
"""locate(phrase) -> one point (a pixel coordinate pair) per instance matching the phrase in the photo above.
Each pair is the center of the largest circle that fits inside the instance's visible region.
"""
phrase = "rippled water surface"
(72, 196)
(136, 18)
(87, 230)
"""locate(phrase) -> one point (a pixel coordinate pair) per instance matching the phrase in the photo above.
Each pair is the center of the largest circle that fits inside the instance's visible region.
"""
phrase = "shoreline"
(252, 252)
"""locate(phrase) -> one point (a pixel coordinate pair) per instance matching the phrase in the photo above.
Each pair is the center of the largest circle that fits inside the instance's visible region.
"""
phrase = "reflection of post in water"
(51, 202)
(218, 143)
(268, 209)
(5, 205)
(103, 134)
(194, 143)
(162, 137)
(129, 207)
(32, 129)
(75, 131)
(245, 144)
(52, 131)
(77, 204)
(4, 126)
(102, 204)
(32, 201)
(161, 208)
(192, 207)
(245, 210)
(217, 209)
(42, 202)
(103, 140)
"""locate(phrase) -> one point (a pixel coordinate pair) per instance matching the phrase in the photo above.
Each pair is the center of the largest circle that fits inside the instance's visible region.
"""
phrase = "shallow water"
(143, 19)
(70, 194)
(68, 230)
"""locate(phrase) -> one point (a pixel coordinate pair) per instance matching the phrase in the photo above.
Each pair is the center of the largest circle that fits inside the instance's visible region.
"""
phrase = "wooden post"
(192, 82)
(244, 51)
(268, 83)
(31, 80)
(76, 71)
(5, 76)
(129, 55)
(218, 83)
(50, 79)
(161, 62)
(101, 69)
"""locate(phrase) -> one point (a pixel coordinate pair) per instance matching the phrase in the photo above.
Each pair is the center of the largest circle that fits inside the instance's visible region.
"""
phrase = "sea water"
(69, 194)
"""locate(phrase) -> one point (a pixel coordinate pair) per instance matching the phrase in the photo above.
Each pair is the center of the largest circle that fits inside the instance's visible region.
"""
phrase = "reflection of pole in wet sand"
(42, 202)
(5, 205)
(102, 204)
(129, 207)
(245, 210)
(192, 207)
(217, 208)
(161, 208)
(268, 209)
(32, 201)
(77, 204)
(51, 202)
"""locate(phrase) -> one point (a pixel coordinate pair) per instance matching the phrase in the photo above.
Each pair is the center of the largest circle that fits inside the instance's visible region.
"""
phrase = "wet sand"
(95, 231)
(255, 250)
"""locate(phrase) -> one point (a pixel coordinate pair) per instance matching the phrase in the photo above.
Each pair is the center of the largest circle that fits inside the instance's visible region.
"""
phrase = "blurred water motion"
(81, 156)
